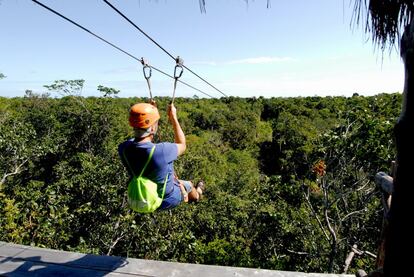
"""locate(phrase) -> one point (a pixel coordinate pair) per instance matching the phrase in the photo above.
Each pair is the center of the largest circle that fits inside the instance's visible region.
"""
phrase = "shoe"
(200, 187)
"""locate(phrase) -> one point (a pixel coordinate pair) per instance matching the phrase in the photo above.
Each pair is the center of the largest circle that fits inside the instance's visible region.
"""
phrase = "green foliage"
(63, 186)
(71, 87)
(108, 92)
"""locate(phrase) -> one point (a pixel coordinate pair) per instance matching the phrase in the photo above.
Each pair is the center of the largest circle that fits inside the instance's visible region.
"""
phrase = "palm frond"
(385, 19)
(203, 5)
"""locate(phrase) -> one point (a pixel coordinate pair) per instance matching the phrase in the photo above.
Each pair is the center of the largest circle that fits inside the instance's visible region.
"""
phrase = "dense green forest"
(289, 180)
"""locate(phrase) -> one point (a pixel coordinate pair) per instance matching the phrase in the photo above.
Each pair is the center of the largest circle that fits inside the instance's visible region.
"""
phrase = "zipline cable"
(116, 47)
(156, 43)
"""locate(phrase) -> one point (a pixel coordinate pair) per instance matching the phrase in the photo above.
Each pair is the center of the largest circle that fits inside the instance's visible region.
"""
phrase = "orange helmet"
(143, 115)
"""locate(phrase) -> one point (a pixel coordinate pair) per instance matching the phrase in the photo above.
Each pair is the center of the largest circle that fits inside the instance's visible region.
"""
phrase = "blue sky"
(293, 48)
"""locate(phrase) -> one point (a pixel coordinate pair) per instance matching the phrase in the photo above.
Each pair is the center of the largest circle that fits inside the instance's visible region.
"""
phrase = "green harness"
(143, 194)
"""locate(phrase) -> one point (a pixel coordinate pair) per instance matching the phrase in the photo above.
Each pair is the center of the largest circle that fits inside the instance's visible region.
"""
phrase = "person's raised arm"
(179, 137)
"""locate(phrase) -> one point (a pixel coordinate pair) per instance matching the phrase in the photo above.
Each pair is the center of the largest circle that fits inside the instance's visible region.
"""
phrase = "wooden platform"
(19, 260)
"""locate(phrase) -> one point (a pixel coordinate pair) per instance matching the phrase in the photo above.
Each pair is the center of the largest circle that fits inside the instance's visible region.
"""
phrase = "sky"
(290, 49)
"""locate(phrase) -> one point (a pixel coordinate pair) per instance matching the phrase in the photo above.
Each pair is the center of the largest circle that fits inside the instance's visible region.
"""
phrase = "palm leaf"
(385, 19)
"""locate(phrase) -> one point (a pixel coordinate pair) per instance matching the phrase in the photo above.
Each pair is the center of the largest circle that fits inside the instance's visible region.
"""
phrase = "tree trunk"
(398, 245)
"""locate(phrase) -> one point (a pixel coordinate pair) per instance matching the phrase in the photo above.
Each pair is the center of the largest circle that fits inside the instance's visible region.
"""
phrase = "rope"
(162, 48)
(116, 47)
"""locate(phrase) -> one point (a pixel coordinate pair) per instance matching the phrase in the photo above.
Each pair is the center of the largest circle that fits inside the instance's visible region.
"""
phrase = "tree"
(108, 92)
(2, 76)
(67, 87)
(388, 19)
(340, 194)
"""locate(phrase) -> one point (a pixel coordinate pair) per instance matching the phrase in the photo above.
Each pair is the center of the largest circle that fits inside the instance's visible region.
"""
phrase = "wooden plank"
(164, 269)
(108, 263)
(17, 260)
(22, 268)
(34, 254)
(10, 250)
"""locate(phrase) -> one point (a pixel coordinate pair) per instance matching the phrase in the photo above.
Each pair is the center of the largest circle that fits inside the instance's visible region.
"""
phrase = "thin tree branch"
(316, 216)
(17, 170)
(297, 252)
(352, 213)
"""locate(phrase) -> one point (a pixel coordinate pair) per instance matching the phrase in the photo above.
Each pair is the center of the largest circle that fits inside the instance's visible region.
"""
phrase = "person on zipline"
(143, 117)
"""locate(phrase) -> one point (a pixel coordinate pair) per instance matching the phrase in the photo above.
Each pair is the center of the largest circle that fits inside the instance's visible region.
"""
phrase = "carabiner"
(180, 72)
(179, 65)
(177, 74)
(147, 70)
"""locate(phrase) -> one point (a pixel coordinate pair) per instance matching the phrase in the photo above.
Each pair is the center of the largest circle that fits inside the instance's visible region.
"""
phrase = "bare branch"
(352, 213)
(17, 170)
(349, 258)
(114, 243)
(315, 215)
(297, 252)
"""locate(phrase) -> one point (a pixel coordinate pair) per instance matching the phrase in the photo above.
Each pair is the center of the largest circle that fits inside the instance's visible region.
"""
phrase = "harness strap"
(145, 166)
(149, 158)
(184, 192)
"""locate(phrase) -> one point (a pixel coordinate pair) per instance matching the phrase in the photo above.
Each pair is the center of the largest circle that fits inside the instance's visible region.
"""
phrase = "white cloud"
(257, 60)
(212, 63)
(261, 60)
(293, 85)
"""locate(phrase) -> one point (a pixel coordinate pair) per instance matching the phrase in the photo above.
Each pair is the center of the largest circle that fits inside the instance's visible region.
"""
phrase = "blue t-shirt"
(161, 164)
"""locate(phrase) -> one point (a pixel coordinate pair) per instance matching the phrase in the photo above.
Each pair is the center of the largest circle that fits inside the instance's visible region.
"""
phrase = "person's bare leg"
(193, 195)
(196, 192)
